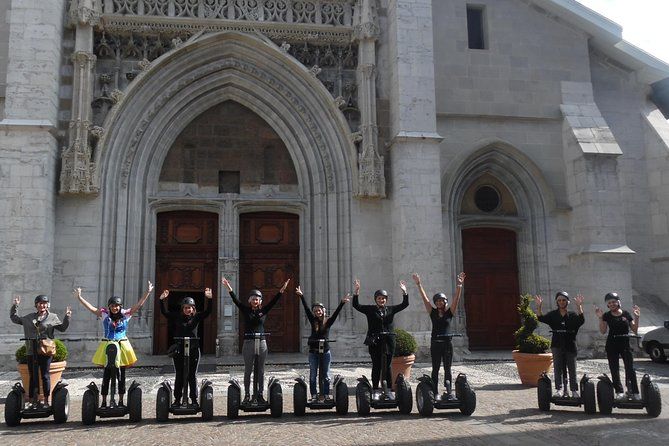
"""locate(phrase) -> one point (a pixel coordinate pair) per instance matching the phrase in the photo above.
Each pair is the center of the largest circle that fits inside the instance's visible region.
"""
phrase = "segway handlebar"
(627, 336)
(562, 331)
(184, 338)
(255, 335)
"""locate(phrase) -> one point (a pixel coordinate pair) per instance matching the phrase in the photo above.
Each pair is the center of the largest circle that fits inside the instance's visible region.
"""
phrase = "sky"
(644, 22)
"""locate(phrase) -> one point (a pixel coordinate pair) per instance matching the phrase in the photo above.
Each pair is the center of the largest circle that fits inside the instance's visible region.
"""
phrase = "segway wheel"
(207, 403)
(299, 399)
(276, 401)
(13, 409)
(362, 399)
(404, 397)
(544, 395)
(234, 400)
(162, 404)
(589, 397)
(61, 405)
(89, 405)
(467, 397)
(341, 394)
(424, 399)
(653, 400)
(135, 405)
(605, 397)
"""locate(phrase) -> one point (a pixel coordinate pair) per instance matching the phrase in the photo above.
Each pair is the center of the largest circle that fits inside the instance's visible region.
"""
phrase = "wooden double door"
(492, 291)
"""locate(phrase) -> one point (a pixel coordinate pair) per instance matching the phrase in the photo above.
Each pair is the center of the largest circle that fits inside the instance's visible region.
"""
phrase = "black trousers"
(112, 372)
(194, 360)
(613, 353)
(441, 351)
(38, 367)
(376, 353)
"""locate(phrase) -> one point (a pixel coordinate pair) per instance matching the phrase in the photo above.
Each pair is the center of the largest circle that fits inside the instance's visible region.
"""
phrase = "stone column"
(228, 318)
(416, 209)
(28, 151)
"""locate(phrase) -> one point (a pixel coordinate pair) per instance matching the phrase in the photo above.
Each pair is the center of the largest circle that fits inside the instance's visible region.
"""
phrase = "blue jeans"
(313, 373)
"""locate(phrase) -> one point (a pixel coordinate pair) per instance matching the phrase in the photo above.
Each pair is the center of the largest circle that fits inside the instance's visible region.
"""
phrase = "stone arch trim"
(186, 82)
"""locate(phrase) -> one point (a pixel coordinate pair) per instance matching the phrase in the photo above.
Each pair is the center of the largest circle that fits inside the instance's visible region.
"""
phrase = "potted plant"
(404, 357)
(58, 364)
(532, 354)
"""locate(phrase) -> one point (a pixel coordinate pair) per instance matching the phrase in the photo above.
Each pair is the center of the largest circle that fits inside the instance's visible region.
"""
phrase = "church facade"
(177, 141)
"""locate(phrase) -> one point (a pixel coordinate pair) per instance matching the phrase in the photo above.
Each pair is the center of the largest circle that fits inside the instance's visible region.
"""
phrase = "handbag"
(46, 347)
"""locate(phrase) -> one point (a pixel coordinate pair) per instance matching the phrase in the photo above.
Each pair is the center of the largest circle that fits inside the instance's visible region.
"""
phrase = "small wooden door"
(268, 255)
(186, 264)
(492, 290)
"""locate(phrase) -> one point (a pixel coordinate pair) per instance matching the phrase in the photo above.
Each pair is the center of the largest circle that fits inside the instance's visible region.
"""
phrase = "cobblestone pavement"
(506, 413)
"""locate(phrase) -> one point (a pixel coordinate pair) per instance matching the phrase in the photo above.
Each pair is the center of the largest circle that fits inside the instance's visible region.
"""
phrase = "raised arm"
(405, 298)
(163, 304)
(226, 283)
(356, 292)
(636, 313)
(142, 299)
(579, 309)
(276, 298)
(458, 292)
(62, 326)
(307, 310)
(207, 304)
(426, 301)
(538, 300)
(333, 318)
(12, 311)
(86, 304)
(602, 323)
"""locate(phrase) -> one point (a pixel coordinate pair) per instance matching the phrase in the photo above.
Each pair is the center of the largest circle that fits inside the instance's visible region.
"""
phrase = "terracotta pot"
(55, 371)
(531, 366)
(401, 364)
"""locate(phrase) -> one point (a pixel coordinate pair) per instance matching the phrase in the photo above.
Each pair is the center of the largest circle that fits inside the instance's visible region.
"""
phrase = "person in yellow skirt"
(115, 320)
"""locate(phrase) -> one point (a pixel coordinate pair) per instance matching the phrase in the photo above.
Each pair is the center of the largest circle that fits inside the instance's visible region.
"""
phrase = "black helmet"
(438, 296)
(611, 296)
(255, 293)
(114, 300)
(41, 298)
(318, 304)
(563, 294)
(188, 301)
(378, 293)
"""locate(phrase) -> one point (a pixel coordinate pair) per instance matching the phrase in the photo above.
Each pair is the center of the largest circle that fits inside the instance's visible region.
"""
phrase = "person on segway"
(619, 322)
(380, 320)
(441, 346)
(115, 320)
(39, 324)
(184, 324)
(320, 329)
(254, 316)
(565, 325)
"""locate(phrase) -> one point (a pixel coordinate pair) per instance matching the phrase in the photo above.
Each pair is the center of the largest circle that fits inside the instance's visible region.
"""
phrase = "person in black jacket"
(254, 316)
(184, 323)
(619, 323)
(380, 320)
(320, 329)
(565, 325)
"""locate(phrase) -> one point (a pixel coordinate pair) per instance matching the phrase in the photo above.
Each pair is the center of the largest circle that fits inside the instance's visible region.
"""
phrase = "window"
(475, 25)
(487, 199)
(228, 181)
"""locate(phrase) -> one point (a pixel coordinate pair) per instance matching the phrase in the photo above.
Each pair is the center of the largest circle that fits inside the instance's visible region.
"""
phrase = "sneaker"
(450, 396)
(314, 398)
(176, 403)
(261, 399)
(557, 393)
(575, 394)
(246, 399)
(565, 394)
(103, 405)
(437, 397)
(620, 396)
(390, 394)
(193, 402)
(376, 394)
(636, 397)
(45, 405)
(328, 398)
(321, 398)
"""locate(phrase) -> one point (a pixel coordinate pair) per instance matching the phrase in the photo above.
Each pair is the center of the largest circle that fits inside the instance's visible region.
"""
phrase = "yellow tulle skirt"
(125, 357)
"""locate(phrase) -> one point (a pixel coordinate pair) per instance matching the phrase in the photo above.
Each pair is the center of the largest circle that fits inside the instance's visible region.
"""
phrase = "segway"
(586, 386)
(15, 409)
(364, 398)
(206, 407)
(427, 401)
(275, 403)
(651, 400)
(324, 402)
(90, 407)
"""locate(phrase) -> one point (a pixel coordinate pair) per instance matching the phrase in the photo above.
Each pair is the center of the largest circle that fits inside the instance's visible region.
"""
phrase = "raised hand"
(636, 311)
(403, 286)
(17, 300)
(416, 278)
(165, 294)
(226, 283)
(298, 291)
(461, 278)
(598, 312)
(149, 289)
(285, 285)
(579, 299)
(346, 298)
(356, 287)
(68, 311)
(207, 293)
(538, 300)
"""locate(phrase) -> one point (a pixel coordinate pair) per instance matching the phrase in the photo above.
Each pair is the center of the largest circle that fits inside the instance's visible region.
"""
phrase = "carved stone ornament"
(116, 96)
(144, 64)
(285, 46)
(340, 102)
(77, 172)
(85, 12)
(365, 23)
(315, 70)
(371, 178)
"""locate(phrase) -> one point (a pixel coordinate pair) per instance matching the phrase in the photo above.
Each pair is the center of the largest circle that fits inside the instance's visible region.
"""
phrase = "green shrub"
(405, 343)
(526, 340)
(61, 353)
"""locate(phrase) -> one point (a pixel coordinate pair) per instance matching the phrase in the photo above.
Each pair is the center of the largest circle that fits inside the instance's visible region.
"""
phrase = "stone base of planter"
(401, 364)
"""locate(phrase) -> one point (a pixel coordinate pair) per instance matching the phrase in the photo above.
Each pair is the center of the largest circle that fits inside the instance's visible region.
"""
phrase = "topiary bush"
(526, 340)
(61, 353)
(405, 343)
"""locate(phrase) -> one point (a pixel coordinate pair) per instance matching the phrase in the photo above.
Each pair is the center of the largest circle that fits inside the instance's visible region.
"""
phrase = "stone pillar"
(371, 177)
(416, 209)
(28, 151)
(77, 170)
(228, 318)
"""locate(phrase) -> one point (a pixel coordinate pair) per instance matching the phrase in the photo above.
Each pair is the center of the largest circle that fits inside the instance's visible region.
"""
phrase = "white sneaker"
(376, 394)
(390, 394)
(636, 397)
(437, 397)
(557, 393)
(620, 396)
(575, 394)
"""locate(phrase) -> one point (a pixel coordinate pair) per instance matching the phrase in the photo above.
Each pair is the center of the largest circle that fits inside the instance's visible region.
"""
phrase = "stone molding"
(85, 12)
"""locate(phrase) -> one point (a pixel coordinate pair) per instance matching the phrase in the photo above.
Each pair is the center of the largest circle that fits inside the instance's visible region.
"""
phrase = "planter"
(531, 366)
(401, 364)
(55, 371)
